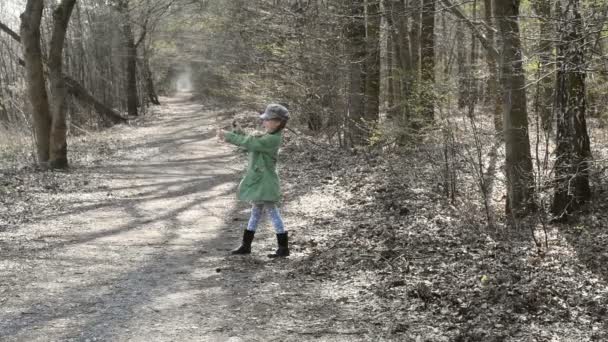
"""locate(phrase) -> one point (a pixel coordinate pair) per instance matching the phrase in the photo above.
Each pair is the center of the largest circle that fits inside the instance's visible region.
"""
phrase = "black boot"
(245, 247)
(283, 250)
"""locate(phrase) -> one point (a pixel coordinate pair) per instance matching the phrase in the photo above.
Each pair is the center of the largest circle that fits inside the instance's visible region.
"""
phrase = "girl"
(261, 182)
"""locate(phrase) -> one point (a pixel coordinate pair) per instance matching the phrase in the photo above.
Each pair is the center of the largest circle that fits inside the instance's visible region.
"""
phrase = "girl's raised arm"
(268, 143)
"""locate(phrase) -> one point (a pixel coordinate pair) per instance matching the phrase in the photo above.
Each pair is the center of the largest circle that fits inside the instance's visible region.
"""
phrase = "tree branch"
(10, 32)
(75, 88)
(142, 36)
(489, 46)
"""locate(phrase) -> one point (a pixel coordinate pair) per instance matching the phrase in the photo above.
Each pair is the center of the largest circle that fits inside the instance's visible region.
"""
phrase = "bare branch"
(10, 32)
(489, 46)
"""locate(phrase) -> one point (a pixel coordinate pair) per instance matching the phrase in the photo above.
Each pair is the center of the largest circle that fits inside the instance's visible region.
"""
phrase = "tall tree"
(386, 64)
(130, 57)
(493, 95)
(546, 59)
(372, 60)
(355, 33)
(415, 8)
(32, 54)
(427, 60)
(152, 13)
(515, 116)
(488, 43)
(472, 78)
(58, 144)
(404, 72)
(573, 152)
(461, 61)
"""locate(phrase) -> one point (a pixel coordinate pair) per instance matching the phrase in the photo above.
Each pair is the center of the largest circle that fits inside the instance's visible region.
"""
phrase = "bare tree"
(355, 31)
(546, 59)
(493, 92)
(427, 60)
(32, 53)
(515, 116)
(573, 150)
(372, 60)
(130, 47)
(58, 144)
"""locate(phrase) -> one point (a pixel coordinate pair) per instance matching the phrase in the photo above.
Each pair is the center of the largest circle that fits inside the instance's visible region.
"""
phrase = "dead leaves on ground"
(451, 277)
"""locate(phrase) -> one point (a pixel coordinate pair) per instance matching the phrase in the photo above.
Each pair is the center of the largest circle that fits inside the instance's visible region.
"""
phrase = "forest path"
(140, 253)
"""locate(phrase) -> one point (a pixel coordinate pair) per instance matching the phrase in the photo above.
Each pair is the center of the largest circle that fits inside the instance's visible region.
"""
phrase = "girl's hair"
(281, 127)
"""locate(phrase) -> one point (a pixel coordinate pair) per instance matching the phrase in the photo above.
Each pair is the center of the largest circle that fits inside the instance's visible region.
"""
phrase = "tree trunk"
(32, 53)
(385, 96)
(152, 96)
(372, 62)
(515, 117)
(472, 92)
(573, 150)
(493, 96)
(461, 61)
(404, 73)
(545, 55)
(58, 144)
(416, 10)
(131, 58)
(427, 61)
(355, 31)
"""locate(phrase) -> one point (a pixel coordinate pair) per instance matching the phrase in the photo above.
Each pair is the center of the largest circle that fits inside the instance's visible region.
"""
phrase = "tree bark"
(146, 71)
(58, 157)
(416, 9)
(573, 150)
(372, 61)
(493, 90)
(546, 58)
(32, 53)
(461, 61)
(427, 61)
(404, 74)
(515, 116)
(385, 97)
(355, 32)
(152, 96)
(131, 58)
(472, 85)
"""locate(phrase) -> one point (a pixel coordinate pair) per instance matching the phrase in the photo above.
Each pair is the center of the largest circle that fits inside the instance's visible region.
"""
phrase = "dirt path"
(139, 254)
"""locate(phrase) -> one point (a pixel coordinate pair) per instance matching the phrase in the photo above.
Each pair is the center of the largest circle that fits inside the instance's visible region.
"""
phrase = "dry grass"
(16, 147)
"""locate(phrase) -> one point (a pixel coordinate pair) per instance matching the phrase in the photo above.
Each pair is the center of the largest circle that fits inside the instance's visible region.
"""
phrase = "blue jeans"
(257, 210)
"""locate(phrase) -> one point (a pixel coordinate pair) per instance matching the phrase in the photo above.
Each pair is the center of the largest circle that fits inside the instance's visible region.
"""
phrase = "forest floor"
(132, 244)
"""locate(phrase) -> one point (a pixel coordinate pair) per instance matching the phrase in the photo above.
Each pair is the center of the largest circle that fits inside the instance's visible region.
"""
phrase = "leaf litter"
(379, 254)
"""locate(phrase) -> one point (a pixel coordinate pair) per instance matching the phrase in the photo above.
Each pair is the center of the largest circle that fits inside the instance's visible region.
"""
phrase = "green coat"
(261, 182)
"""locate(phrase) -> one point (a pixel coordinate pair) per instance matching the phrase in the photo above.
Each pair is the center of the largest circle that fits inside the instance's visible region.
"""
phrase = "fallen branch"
(79, 92)
(75, 88)
(489, 46)
(10, 32)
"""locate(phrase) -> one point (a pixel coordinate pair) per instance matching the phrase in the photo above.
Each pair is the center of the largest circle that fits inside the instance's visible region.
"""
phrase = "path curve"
(137, 255)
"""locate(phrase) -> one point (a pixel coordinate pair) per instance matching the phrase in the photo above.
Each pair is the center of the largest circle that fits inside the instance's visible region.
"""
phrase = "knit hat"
(275, 112)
